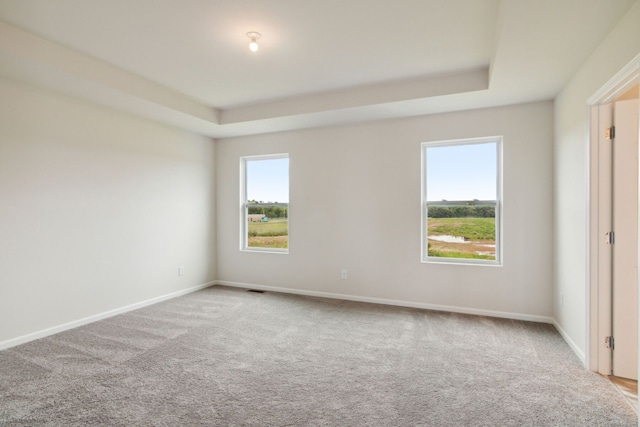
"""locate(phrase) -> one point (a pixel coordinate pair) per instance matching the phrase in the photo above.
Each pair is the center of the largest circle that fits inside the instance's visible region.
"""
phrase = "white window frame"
(245, 205)
(425, 258)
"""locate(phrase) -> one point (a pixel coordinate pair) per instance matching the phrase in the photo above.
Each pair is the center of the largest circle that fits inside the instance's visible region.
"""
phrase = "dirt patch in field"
(473, 247)
(269, 241)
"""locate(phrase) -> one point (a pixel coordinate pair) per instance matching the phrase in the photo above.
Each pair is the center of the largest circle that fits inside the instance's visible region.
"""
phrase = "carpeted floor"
(229, 357)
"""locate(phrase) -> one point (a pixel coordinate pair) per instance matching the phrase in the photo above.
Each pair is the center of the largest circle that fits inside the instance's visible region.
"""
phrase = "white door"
(625, 248)
(604, 165)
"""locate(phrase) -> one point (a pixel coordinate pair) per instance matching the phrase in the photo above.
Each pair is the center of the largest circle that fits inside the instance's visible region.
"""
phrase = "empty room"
(306, 213)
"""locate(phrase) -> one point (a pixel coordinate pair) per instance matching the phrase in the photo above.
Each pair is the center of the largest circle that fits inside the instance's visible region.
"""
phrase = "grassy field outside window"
(271, 234)
(265, 205)
(461, 200)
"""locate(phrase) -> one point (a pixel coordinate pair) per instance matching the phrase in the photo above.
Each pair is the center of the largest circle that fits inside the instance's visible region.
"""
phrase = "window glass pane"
(462, 201)
(461, 172)
(267, 203)
(268, 180)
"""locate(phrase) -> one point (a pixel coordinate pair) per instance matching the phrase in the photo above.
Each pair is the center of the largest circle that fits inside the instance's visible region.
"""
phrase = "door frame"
(598, 298)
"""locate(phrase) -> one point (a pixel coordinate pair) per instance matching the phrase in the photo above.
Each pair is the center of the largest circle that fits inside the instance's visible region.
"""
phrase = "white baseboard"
(569, 341)
(90, 319)
(400, 303)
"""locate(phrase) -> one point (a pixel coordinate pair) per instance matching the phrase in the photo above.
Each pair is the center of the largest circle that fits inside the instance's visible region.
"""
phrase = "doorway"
(624, 238)
(613, 226)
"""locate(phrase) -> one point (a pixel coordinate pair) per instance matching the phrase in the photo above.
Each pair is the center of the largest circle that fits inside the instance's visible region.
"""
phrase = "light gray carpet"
(229, 357)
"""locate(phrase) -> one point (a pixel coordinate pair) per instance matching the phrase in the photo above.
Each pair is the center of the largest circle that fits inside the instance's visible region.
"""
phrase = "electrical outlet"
(343, 274)
(180, 271)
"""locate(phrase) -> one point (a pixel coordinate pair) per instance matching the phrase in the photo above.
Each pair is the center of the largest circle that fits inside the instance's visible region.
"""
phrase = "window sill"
(458, 261)
(266, 251)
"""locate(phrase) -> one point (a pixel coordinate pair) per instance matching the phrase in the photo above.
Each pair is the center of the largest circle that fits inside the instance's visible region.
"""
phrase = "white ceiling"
(187, 63)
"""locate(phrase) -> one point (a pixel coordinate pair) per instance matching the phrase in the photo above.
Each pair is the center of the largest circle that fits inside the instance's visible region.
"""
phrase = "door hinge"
(610, 133)
(610, 238)
(609, 342)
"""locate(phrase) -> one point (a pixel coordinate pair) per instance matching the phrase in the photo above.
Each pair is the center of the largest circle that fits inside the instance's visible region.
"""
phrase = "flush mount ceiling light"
(253, 45)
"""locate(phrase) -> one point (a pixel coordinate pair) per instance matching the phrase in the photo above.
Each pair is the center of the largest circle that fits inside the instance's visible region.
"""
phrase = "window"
(461, 201)
(265, 203)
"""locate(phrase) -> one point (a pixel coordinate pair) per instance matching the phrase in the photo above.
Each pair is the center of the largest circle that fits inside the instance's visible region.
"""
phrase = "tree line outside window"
(268, 211)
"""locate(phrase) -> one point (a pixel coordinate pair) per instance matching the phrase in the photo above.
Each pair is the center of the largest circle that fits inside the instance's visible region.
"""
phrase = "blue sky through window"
(268, 180)
(462, 172)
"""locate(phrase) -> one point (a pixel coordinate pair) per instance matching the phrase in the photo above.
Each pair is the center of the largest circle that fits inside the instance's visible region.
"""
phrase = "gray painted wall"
(338, 173)
(571, 142)
(97, 210)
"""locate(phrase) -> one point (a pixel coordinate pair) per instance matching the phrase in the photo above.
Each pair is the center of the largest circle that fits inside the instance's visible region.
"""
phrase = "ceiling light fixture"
(253, 45)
